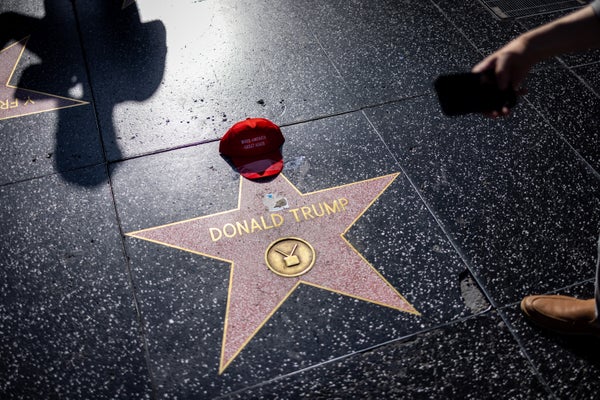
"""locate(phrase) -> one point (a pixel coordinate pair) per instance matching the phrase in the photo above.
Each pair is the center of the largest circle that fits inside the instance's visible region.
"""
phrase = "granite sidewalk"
(133, 256)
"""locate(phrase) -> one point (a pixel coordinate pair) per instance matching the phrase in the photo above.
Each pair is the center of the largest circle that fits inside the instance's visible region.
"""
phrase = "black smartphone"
(469, 92)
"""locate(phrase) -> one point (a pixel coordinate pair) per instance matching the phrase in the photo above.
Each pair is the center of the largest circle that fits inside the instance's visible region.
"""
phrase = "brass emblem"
(290, 257)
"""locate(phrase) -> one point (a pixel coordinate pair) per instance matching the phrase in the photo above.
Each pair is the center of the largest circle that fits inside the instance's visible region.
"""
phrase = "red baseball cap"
(254, 147)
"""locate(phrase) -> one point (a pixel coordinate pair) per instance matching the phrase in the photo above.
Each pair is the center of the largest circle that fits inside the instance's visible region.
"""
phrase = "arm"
(574, 32)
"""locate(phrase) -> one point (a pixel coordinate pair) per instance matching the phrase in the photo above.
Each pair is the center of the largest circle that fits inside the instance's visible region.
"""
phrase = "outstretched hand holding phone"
(511, 63)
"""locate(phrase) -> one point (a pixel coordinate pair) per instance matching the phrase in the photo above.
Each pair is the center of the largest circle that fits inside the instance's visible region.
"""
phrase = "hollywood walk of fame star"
(17, 102)
(242, 235)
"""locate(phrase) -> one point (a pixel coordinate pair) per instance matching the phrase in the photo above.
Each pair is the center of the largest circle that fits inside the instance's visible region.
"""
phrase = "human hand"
(510, 65)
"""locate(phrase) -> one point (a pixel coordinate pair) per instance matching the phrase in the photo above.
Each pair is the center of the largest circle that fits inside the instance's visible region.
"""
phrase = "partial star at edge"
(17, 102)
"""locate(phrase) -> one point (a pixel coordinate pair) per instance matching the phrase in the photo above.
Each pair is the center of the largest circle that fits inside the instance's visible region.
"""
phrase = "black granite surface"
(68, 322)
(178, 75)
(461, 360)
(481, 27)
(391, 51)
(482, 211)
(502, 191)
(566, 99)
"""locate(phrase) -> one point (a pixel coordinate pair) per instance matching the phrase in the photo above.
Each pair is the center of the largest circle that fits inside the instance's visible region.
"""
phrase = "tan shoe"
(563, 314)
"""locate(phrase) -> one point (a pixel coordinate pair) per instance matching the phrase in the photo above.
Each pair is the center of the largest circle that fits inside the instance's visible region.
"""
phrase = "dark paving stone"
(481, 28)
(589, 73)
(391, 51)
(486, 32)
(59, 140)
(68, 325)
(519, 203)
(183, 296)
(473, 359)
(569, 364)
(568, 105)
(183, 71)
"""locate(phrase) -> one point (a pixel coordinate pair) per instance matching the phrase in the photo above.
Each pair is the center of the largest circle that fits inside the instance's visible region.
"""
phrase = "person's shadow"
(123, 60)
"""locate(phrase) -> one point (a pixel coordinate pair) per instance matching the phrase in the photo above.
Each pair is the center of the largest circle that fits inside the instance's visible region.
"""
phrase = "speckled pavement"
(135, 260)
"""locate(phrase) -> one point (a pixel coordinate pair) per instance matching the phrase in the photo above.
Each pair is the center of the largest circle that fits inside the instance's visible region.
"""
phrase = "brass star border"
(17, 102)
(241, 236)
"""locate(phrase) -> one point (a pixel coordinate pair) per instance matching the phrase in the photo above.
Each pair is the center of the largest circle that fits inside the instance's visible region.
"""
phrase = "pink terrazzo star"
(274, 210)
(17, 102)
